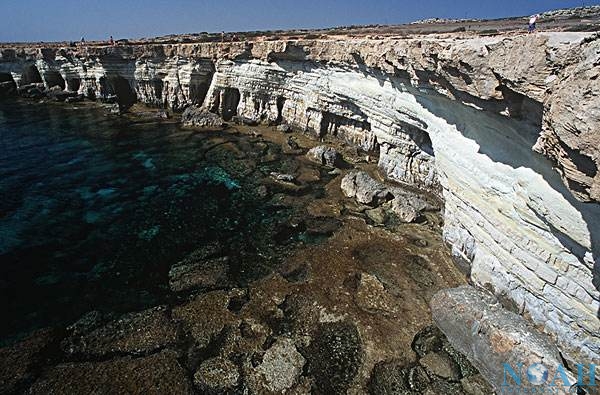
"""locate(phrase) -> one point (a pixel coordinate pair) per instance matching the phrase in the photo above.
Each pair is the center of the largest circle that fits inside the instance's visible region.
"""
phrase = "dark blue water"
(95, 209)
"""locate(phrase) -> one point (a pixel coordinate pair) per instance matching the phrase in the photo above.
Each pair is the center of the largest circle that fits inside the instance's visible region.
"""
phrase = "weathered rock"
(284, 127)
(364, 188)
(280, 368)
(441, 365)
(395, 378)
(155, 374)
(199, 117)
(490, 336)
(216, 375)
(324, 155)
(19, 362)
(244, 120)
(205, 316)
(404, 211)
(334, 356)
(372, 296)
(208, 273)
(377, 215)
(133, 333)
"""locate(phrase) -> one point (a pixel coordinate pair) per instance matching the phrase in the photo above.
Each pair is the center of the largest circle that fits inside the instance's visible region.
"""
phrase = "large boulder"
(493, 338)
(325, 155)
(365, 189)
(200, 117)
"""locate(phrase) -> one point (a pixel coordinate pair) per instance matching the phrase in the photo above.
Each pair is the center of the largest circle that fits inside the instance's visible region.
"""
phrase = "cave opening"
(120, 87)
(73, 84)
(280, 103)
(231, 99)
(53, 78)
(31, 75)
(199, 85)
(7, 84)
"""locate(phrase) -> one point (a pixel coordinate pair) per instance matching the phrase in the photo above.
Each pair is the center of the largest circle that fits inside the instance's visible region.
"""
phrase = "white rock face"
(458, 117)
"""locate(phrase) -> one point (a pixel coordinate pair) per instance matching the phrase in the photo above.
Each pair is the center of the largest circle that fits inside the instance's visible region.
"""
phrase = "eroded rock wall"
(460, 117)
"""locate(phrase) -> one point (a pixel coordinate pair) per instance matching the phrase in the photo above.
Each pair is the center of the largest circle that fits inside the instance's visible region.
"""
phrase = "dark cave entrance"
(231, 99)
(31, 75)
(53, 78)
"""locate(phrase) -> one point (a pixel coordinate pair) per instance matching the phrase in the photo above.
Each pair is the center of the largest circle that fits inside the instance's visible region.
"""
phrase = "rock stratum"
(504, 128)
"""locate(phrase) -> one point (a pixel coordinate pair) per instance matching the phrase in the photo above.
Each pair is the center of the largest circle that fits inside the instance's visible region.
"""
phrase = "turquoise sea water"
(95, 209)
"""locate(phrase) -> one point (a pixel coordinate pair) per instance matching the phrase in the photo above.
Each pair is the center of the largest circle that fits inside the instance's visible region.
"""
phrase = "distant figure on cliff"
(223, 36)
(532, 20)
(111, 41)
(82, 41)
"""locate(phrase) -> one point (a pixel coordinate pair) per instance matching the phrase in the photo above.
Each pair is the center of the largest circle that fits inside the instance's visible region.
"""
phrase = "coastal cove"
(408, 209)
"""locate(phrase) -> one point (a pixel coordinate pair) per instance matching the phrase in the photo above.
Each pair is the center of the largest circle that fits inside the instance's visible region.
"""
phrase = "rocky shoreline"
(497, 131)
(347, 314)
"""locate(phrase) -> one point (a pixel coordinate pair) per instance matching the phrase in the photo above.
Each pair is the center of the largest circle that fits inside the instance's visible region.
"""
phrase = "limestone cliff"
(460, 116)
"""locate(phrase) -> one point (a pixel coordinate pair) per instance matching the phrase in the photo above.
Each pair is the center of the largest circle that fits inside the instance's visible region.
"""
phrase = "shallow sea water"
(95, 209)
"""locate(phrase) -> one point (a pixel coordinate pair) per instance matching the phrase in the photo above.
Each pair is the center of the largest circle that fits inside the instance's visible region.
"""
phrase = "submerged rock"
(157, 374)
(19, 362)
(201, 273)
(134, 333)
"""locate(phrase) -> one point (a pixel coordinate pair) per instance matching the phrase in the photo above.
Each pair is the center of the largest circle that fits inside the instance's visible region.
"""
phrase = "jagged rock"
(441, 365)
(133, 333)
(377, 215)
(325, 155)
(32, 91)
(280, 368)
(205, 273)
(75, 99)
(283, 177)
(364, 188)
(284, 127)
(216, 375)
(199, 117)
(489, 336)
(205, 316)
(404, 211)
(371, 295)
(241, 120)
(158, 373)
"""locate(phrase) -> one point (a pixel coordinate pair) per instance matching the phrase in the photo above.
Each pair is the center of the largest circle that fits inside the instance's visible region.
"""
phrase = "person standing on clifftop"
(111, 41)
(532, 20)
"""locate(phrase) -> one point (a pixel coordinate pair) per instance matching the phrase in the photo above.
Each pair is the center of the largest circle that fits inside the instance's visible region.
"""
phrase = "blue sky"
(53, 20)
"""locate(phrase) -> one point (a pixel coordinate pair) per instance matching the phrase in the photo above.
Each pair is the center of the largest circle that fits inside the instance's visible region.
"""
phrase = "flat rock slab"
(156, 374)
(478, 326)
(133, 333)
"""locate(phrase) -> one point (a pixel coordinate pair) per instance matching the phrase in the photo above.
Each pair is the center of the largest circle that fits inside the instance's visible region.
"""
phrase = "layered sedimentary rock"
(462, 117)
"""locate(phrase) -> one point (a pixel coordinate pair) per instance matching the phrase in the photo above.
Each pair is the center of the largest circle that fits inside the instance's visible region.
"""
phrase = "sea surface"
(94, 210)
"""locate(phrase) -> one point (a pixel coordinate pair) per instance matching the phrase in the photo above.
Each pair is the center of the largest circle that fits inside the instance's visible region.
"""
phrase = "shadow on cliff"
(506, 140)
(509, 141)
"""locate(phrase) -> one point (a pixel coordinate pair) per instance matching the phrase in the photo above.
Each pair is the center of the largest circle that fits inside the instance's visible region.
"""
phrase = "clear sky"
(57, 20)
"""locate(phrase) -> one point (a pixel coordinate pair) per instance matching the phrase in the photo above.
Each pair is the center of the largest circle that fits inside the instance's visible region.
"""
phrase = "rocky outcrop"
(490, 336)
(457, 115)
